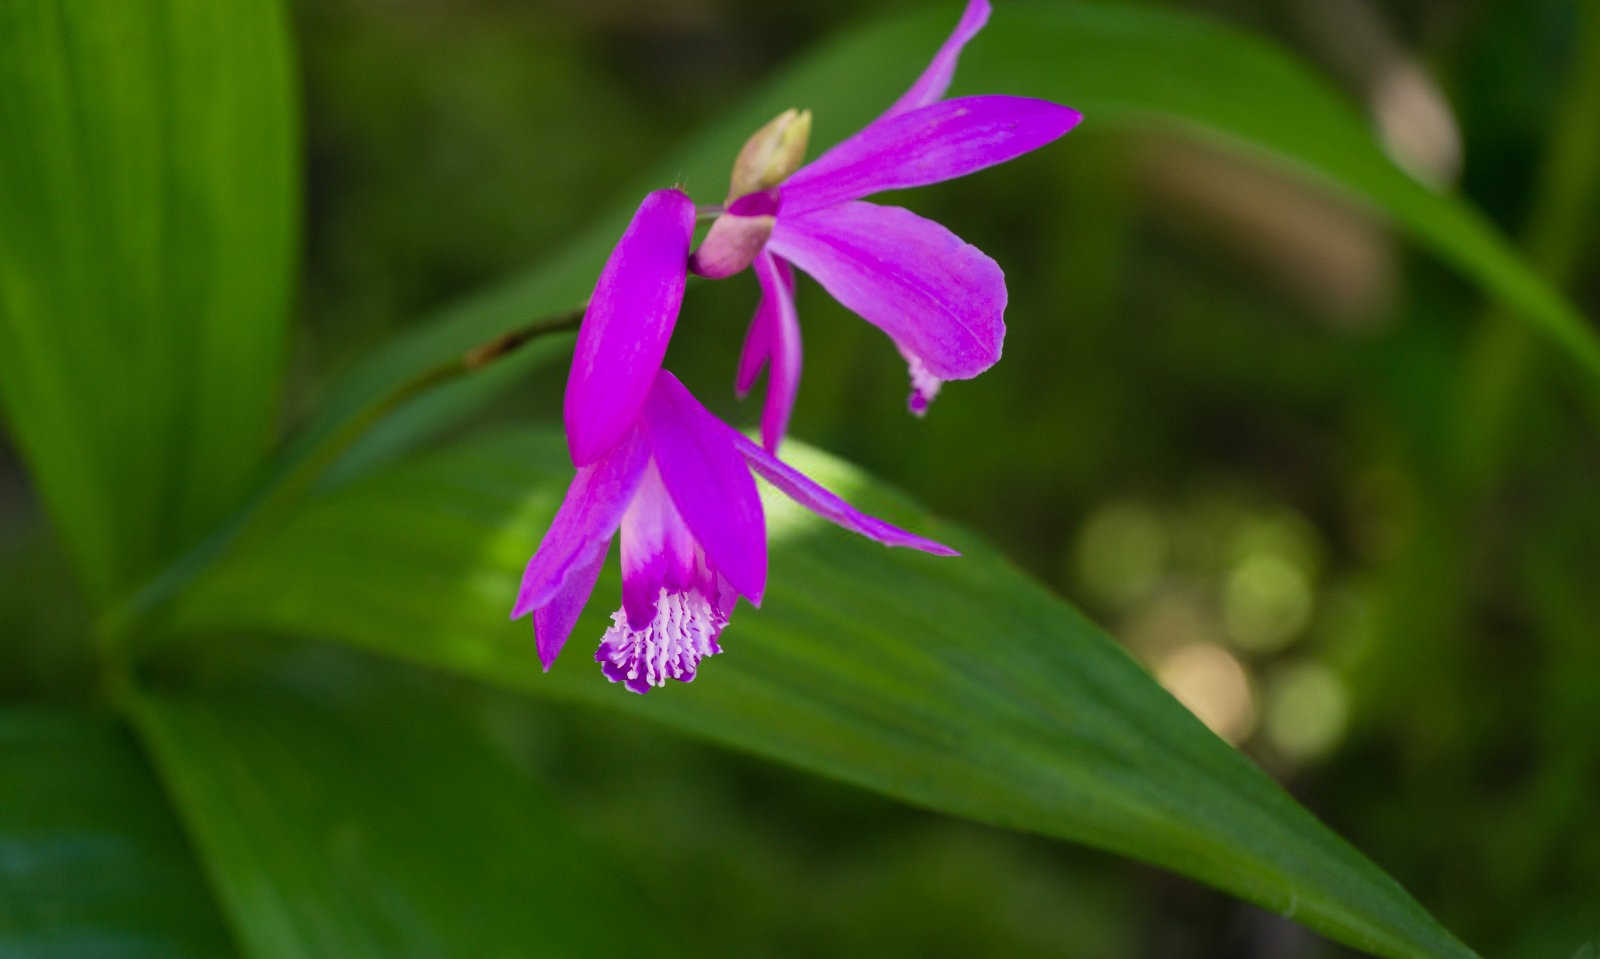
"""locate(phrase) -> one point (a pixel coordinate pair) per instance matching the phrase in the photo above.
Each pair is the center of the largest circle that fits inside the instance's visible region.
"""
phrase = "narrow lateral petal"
(757, 347)
(709, 484)
(938, 297)
(935, 80)
(758, 344)
(627, 325)
(806, 491)
(563, 569)
(783, 377)
(940, 141)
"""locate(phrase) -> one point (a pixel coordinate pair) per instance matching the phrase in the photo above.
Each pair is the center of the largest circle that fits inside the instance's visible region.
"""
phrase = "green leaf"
(92, 862)
(148, 208)
(956, 684)
(1124, 66)
(344, 812)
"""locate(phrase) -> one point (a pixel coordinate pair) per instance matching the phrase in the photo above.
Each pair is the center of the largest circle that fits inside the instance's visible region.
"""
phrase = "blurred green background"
(1339, 506)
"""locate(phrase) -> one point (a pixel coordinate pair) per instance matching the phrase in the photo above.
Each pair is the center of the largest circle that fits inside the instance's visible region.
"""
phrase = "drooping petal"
(553, 622)
(627, 325)
(758, 344)
(938, 297)
(563, 569)
(756, 349)
(709, 484)
(805, 491)
(783, 345)
(940, 141)
(935, 80)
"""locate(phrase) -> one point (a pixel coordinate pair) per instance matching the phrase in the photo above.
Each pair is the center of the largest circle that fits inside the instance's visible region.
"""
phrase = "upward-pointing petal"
(627, 325)
(941, 299)
(709, 484)
(940, 141)
(935, 80)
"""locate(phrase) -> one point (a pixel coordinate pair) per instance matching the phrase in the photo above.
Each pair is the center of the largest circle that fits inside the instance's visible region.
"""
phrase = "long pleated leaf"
(956, 684)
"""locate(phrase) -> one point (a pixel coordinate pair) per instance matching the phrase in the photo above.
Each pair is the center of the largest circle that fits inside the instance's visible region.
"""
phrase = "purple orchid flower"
(627, 326)
(940, 299)
(678, 484)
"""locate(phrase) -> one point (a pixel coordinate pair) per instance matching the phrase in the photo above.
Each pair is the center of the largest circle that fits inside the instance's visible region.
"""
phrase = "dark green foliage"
(1307, 451)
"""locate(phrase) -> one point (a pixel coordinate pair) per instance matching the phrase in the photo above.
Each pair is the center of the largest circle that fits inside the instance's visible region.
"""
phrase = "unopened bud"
(771, 154)
(732, 242)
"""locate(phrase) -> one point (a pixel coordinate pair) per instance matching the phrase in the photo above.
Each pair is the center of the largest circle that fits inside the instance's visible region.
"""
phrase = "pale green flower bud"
(771, 154)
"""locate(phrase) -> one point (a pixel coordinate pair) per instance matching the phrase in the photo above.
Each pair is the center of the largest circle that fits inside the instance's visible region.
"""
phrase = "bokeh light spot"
(1121, 553)
(1307, 710)
(1213, 685)
(1266, 602)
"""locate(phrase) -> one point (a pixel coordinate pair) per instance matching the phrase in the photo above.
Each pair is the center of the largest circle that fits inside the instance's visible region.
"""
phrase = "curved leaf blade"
(92, 861)
(960, 685)
(368, 816)
(148, 206)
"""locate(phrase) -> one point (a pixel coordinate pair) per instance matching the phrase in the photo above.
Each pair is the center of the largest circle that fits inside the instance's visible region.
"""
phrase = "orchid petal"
(682, 631)
(924, 385)
(658, 551)
(938, 297)
(627, 325)
(758, 344)
(808, 493)
(553, 622)
(935, 80)
(783, 344)
(709, 484)
(756, 349)
(941, 141)
(563, 569)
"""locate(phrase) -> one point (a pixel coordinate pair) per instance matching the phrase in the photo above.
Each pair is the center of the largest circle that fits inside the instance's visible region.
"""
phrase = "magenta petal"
(935, 80)
(758, 341)
(658, 551)
(563, 569)
(938, 297)
(941, 141)
(783, 343)
(924, 385)
(805, 491)
(628, 324)
(709, 484)
(553, 622)
(757, 347)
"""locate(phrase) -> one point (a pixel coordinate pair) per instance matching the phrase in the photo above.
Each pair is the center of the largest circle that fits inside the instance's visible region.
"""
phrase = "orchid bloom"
(678, 484)
(940, 299)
